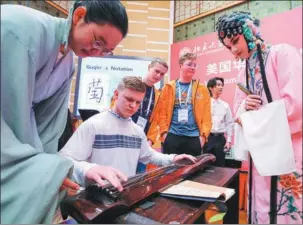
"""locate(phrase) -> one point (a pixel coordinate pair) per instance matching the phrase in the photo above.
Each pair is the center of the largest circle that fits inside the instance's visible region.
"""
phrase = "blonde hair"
(187, 56)
(133, 83)
(160, 61)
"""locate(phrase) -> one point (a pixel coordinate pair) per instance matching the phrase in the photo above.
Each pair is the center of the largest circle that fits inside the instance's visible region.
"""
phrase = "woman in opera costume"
(36, 72)
(279, 69)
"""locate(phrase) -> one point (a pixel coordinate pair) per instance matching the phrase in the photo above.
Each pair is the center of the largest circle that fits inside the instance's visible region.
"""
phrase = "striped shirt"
(109, 140)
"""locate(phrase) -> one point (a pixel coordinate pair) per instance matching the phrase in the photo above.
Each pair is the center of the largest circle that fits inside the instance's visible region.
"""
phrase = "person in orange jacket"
(184, 111)
(147, 114)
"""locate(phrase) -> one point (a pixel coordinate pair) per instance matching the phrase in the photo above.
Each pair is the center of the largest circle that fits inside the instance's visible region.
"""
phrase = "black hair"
(232, 25)
(213, 82)
(105, 12)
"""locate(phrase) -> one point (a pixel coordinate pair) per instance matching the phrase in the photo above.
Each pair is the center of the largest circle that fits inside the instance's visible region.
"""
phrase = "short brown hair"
(133, 83)
(160, 61)
(187, 56)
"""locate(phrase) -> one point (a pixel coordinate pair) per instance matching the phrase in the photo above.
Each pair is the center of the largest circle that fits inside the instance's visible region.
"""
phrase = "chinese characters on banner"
(95, 87)
(220, 67)
(206, 48)
(224, 67)
(215, 60)
(95, 90)
(99, 77)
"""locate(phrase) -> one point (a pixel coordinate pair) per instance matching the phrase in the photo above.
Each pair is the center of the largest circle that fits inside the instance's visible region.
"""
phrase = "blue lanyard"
(149, 103)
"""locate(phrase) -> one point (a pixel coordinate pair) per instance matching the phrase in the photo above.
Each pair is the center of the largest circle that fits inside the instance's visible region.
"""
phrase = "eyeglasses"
(99, 45)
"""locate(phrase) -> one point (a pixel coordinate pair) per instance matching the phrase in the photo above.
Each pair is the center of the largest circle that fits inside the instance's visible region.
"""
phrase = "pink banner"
(215, 60)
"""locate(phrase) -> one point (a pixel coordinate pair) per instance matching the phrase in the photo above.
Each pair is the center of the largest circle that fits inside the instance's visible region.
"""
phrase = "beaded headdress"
(239, 23)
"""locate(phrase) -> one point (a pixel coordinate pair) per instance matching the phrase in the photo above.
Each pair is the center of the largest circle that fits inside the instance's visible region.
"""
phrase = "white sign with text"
(99, 77)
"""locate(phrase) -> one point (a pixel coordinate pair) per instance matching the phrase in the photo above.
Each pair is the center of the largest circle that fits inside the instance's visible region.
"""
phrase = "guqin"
(100, 205)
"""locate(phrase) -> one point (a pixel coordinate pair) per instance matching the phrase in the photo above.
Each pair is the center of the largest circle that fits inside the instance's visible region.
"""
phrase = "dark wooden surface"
(100, 205)
(167, 210)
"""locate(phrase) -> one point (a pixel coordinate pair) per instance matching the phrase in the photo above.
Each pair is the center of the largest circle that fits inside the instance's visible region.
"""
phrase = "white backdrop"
(98, 77)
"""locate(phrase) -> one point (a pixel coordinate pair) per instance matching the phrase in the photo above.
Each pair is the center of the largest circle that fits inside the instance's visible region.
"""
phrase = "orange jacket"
(153, 120)
(201, 107)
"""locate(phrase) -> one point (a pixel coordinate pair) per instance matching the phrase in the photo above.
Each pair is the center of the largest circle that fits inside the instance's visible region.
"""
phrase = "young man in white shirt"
(222, 122)
(147, 113)
(109, 145)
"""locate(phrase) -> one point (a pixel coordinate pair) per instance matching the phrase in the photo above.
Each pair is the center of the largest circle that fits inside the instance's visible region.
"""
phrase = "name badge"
(183, 115)
(142, 122)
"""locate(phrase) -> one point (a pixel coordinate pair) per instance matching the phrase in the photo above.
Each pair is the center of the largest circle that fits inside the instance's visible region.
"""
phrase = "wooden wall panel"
(163, 55)
(156, 35)
(137, 16)
(163, 24)
(134, 53)
(159, 12)
(137, 28)
(158, 4)
(137, 43)
(150, 45)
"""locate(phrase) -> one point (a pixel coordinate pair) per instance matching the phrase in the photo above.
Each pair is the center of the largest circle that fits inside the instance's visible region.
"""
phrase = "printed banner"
(98, 78)
(215, 60)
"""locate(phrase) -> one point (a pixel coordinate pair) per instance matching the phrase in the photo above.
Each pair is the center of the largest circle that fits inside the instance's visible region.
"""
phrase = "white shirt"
(222, 118)
(105, 139)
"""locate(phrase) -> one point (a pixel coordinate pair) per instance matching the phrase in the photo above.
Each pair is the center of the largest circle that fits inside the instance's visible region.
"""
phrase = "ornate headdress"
(239, 23)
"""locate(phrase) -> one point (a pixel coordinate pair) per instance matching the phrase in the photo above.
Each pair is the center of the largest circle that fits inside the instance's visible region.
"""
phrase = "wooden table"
(167, 210)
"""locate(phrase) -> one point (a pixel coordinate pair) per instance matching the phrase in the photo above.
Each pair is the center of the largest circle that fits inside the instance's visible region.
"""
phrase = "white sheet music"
(195, 189)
